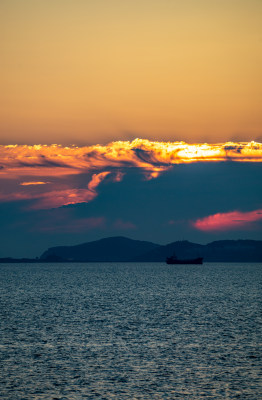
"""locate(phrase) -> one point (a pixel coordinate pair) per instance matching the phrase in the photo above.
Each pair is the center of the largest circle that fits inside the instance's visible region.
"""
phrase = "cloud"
(63, 167)
(56, 198)
(140, 153)
(96, 179)
(228, 221)
(33, 183)
(51, 199)
(119, 176)
(76, 225)
(124, 225)
(59, 198)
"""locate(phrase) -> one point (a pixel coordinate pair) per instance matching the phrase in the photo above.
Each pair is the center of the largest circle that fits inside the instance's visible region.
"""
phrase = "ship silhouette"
(174, 260)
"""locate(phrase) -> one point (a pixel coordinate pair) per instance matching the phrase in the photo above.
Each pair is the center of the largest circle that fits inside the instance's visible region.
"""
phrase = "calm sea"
(130, 331)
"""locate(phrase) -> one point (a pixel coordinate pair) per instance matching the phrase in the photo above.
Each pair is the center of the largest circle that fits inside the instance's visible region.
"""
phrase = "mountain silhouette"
(115, 249)
(105, 250)
(122, 249)
(218, 251)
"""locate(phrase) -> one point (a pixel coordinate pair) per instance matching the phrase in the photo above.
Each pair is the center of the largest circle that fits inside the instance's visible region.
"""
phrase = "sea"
(121, 331)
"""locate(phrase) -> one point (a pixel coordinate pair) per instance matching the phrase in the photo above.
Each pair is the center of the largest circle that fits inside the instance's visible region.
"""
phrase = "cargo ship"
(175, 260)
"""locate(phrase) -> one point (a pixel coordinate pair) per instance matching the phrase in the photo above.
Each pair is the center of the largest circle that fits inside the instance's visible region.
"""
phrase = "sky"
(135, 118)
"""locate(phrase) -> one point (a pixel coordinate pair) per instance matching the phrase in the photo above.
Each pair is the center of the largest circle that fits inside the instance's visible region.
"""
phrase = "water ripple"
(130, 331)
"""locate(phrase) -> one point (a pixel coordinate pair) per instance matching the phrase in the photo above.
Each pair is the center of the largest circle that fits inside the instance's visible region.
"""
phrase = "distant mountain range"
(121, 249)
(115, 249)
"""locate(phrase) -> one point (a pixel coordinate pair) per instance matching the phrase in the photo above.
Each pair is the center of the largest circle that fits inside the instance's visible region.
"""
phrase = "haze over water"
(130, 331)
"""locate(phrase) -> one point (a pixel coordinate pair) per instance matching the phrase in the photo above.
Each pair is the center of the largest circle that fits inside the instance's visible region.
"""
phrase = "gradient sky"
(184, 77)
(76, 71)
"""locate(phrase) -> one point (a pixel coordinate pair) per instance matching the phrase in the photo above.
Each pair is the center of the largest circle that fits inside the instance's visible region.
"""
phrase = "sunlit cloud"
(33, 183)
(51, 199)
(148, 155)
(15, 196)
(96, 179)
(228, 221)
(56, 198)
(58, 166)
(59, 198)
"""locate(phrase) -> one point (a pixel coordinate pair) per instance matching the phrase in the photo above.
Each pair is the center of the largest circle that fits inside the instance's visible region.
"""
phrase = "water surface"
(130, 331)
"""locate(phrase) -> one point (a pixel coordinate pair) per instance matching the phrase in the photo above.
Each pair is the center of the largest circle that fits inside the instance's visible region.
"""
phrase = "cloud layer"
(147, 155)
(47, 175)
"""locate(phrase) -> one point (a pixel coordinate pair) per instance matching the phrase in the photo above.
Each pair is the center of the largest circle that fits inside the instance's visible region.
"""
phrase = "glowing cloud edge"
(24, 165)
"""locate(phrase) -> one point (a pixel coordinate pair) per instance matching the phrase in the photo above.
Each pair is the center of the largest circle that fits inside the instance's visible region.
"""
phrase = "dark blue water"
(130, 331)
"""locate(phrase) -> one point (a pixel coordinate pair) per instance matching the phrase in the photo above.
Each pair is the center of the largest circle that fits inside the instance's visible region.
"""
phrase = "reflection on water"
(130, 331)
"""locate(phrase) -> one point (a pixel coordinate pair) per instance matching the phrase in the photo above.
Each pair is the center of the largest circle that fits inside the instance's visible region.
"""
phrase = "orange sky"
(93, 71)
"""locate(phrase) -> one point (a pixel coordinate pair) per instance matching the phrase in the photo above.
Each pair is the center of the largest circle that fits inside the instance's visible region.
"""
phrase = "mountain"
(234, 251)
(111, 249)
(182, 249)
(115, 249)
(218, 251)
